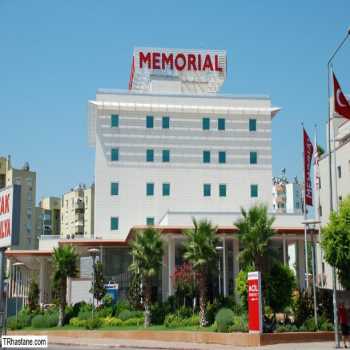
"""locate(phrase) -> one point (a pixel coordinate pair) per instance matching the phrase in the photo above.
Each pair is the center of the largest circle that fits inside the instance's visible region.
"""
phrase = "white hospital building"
(171, 148)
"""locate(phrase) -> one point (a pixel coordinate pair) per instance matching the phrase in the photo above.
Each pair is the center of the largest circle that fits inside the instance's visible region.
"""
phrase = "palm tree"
(200, 251)
(147, 252)
(65, 265)
(255, 232)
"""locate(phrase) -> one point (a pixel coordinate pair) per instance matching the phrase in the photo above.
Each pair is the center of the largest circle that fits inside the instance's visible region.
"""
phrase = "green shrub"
(224, 320)
(52, 319)
(136, 321)
(324, 324)
(84, 315)
(76, 322)
(184, 312)
(39, 321)
(111, 322)
(310, 325)
(239, 324)
(104, 311)
(25, 318)
(13, 324)
(158, 313)
(93, 323)
(125, 315)
(121, 305)
(190, 321)
(174, 321)
(282, 328)
(107, 300)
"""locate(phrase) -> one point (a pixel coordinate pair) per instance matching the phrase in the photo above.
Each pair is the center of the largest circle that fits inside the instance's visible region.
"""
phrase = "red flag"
(341, 104)
(308, 153)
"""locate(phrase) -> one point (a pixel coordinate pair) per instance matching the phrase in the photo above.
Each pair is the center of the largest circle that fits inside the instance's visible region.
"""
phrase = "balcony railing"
(49, 237)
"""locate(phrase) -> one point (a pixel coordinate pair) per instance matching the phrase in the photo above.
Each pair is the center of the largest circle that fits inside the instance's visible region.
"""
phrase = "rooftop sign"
(192, 67)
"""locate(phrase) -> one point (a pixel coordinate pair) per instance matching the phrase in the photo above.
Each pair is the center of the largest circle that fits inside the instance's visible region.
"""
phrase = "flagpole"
(334, 271)
(305, 218)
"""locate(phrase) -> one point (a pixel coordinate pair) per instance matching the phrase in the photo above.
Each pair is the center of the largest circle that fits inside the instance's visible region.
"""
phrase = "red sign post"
(254, 302)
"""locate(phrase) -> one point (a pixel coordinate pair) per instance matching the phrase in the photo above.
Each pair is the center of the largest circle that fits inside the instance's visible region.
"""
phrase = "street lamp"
(17, 265)
(219, 249)
(334, 271)
(93, 253)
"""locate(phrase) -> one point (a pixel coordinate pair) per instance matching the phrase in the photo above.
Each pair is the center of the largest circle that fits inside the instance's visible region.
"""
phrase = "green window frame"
(252, 124)
(150, 221)
(254, 191)
(165, 122)
(114, 188)
(150, 189)
(222, 190)
(149, 155)
(221, 123)
(222, 157)
(114, 154)
(114, 223)
(114, 121)
(253, 158)
(166, 156)
(206, 123)
(206, 156)
(207, 190)
(150, 122)
(166, 189)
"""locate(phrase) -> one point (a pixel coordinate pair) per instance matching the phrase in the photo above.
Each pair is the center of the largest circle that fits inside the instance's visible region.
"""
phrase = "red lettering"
(167, 61)
(5, 226)
(7, 203)
(156, 60)
(143, 59)
(191, 62)
(178, 58)
(216, 64)
(199, 62)
(207, 63)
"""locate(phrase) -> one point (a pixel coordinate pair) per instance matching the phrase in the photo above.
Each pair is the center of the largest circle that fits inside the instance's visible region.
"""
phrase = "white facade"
(186, 141)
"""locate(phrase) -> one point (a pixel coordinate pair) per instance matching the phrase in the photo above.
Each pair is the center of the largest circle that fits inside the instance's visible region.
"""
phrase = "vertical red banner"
(308, 153)
(254, 302)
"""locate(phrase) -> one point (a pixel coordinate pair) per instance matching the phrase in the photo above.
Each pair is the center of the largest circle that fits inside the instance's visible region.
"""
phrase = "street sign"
(254, 302)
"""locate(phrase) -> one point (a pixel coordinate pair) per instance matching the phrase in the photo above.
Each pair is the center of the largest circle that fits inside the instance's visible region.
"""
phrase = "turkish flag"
(341, 104)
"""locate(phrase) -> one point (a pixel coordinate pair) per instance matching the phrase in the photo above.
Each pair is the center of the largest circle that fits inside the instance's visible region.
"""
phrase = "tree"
(336, 242)
(279, 287)
(200, 251)
(33, 296)
(320, 150)
(65, 265)
(99, 283)
(254, 233)
(147, 252)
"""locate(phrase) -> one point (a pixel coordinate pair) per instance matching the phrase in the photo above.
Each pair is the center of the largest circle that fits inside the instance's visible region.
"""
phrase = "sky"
(54, 55)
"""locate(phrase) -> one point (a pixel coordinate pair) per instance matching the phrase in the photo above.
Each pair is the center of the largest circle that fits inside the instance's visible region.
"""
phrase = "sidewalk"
(150, 344)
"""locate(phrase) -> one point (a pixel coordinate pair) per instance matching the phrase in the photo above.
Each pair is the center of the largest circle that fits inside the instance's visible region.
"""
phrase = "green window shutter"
(206, 156)
(149, 122)
(222, 157)
(150, 189)
(205, 123)
(114, 154)
(222, 190)
(166, 156)
(114, 188)
(149, 155)
(253, 158)
(114, 223)
(221, 123)
(150, 221)
(165, 122)
(252, 124)
(166, 189)
(114, 120)
(253, 191)
(206, 190)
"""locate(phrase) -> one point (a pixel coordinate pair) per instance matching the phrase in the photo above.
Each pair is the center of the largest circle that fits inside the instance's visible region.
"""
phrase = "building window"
(206, 190)
(222, 157)
(339, 171)
(114, 120)
(149, 122)
(166, 189)
(221, 123)
(114, 154)
(150, 189)
(114, 189)
(205, 123)
(253, 191)
(253, 158)
(320, 210)
(150, 221)
(114, 223)
(165, 122)
(206, 156)
(252, 124)
(222, 190)
(149, 155)
(166, 156)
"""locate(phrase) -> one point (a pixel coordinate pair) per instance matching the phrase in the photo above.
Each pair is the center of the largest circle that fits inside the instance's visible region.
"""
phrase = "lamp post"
(331, 207)
(17, 265)
(219, 249)
(93, 253)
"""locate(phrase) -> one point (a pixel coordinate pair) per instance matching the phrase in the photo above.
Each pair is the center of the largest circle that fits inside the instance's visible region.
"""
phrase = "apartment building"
(50, 216)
